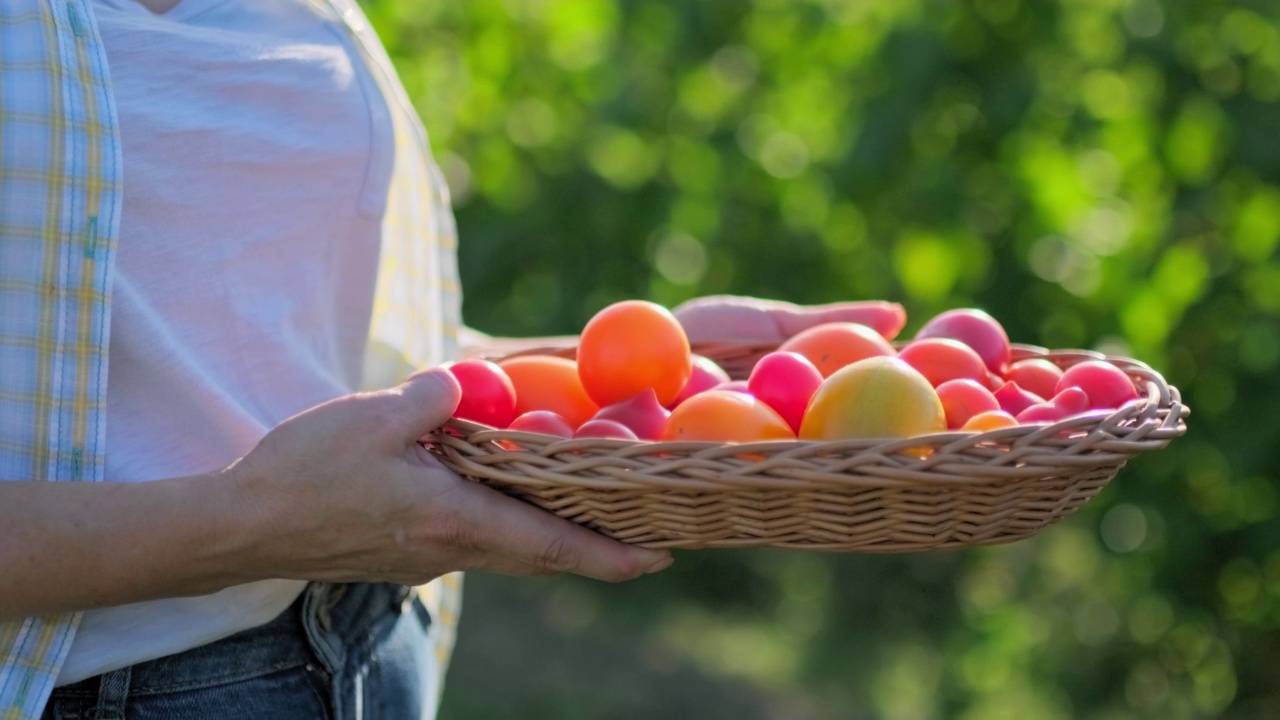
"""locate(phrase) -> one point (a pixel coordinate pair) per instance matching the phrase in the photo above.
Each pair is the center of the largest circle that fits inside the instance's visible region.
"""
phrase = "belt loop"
(317, 623)
(113, 692)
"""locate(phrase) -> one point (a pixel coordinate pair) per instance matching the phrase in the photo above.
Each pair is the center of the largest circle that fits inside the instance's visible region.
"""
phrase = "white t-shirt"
(256, 154)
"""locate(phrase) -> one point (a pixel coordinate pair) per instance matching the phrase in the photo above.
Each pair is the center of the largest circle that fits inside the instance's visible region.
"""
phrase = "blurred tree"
(1096, 173)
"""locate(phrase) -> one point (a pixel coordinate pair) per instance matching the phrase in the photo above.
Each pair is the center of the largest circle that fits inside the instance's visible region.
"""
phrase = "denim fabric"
(341, 652)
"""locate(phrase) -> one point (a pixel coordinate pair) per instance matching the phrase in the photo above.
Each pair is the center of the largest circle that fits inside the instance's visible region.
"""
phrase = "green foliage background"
(1096, 173)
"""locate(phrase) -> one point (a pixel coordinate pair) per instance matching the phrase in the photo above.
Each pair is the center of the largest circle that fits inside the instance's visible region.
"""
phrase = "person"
(226, 286)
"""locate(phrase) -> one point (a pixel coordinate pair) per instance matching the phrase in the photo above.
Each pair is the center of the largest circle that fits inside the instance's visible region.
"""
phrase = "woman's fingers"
(746, 319)
(886, 318)
(502, 534)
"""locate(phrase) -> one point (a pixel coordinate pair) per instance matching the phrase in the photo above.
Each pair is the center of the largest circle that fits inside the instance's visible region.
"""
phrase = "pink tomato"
(603, 428)
(974, 328)
(738, 386)
(1036, 375)
(1071, 401)
(641, 413)
(542, 421)
(487, 393)
(1106, 385)
(1013, 399)
(785, 381)
(706, 375)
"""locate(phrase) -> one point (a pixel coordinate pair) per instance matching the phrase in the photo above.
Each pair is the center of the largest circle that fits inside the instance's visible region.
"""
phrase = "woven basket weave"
(858, 495)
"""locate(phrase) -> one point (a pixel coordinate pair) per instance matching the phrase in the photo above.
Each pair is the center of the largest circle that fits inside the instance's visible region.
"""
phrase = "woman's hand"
(733, 318)
(340, 492)
(361, 499)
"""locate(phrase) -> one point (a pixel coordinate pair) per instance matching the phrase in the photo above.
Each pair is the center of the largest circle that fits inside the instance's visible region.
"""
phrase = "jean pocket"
(298, 693)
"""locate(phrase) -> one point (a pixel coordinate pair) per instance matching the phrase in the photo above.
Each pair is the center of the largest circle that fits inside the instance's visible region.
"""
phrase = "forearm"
(342, 492)
(75, 546)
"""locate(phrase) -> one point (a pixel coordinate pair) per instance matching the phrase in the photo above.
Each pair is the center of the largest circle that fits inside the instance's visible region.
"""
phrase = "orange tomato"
(633, 346)
(725, 416)
(546, 382)
(831, 346)
(990, 420)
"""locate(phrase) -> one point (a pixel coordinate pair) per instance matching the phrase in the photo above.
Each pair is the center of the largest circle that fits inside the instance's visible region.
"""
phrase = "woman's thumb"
(429, 398)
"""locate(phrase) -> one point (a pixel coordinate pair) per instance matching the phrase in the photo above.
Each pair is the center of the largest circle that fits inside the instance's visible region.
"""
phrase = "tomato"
(1071, 401)
(831, 346)
(546, 382)
(488, 395)
(785, 381)
(726, 416)
(991, 420)
(964, 398)
(705, 375)
(1106, 385)
(602, 428)
(943, 359)
(544, 422)
(1036, 375)
(880, 397)
(1013, 399)
(974, 328)
(632, 346)
(738, 386)
(642, 414)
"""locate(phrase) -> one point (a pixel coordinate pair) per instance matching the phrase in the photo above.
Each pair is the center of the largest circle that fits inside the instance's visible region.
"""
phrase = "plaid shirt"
(60, 202)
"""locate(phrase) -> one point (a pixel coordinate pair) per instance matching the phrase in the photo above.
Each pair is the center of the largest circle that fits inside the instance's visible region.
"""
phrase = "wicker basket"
(855, 495)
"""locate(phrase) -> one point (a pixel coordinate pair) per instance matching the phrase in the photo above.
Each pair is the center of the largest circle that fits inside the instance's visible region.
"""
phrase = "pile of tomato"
(635, 378)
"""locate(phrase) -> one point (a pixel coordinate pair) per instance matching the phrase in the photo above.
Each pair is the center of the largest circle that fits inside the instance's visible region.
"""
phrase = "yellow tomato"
(879, 397)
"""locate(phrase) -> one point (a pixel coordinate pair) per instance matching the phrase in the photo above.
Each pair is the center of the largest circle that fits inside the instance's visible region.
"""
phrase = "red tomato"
(632, 346)
(487, 393)
(785, 381)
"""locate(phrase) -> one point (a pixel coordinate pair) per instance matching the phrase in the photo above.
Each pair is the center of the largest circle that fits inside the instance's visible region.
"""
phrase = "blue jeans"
(341, 652)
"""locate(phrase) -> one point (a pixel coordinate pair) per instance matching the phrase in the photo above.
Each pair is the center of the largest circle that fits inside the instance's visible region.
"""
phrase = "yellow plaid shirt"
(60, 202)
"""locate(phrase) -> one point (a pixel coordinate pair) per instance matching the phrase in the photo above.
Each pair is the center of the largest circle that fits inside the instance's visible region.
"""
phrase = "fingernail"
(661, 565)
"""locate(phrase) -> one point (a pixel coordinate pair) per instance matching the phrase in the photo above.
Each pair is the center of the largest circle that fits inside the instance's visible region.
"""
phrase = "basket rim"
(1158, 403)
